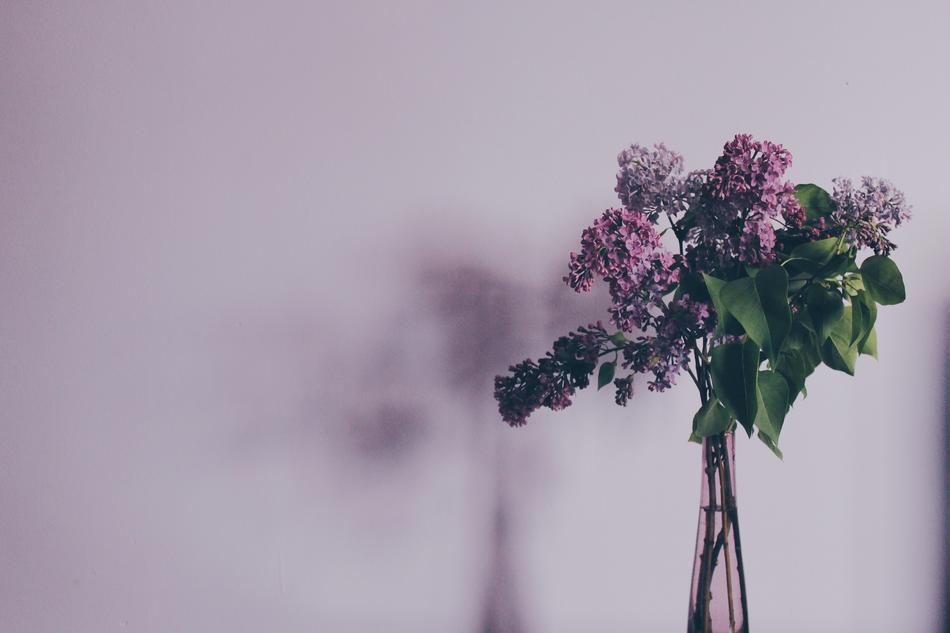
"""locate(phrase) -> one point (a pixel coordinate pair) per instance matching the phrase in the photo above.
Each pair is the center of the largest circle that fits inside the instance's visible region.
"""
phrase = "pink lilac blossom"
(647, 181)
(745, 194)
(624, 249)
(695, 317)
(867, 214)
(757, 240)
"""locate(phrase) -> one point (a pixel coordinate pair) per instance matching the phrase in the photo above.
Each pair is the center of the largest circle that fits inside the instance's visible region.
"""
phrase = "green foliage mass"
(775, 325)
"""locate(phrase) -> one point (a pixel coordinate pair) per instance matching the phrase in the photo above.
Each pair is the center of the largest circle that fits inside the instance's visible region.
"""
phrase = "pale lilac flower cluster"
(623, 248)
(867, 214)
(647, 181)
(553, 379)
(745, 195)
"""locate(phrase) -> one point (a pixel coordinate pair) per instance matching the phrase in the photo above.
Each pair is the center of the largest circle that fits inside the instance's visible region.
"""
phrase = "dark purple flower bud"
(624, 390)
(553, 379)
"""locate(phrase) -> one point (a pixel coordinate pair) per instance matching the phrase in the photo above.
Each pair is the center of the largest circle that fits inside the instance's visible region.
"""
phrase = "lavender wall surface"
(261, 260)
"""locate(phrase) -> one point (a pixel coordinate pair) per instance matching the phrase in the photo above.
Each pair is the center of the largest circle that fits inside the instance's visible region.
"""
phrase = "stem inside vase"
(717, 596)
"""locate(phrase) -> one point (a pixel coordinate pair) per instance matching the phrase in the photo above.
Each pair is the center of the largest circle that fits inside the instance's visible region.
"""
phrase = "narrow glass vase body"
(717, 597)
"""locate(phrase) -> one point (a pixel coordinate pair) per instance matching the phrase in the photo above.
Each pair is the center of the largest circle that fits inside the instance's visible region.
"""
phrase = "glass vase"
(717, 597)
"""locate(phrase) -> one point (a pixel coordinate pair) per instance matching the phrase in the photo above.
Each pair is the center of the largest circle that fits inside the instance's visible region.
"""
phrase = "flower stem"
(702, 620)
(729, 504)
(719, 504)
(723, 465)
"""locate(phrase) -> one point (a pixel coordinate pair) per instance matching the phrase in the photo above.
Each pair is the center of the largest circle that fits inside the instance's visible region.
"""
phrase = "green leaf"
(772, 404)
(606, 374)
(617, 338)
(825, 308)
(791, 365)
(841, 330)
(883, 280)
(814, 200)
(772, 447)
(857, 324)
(761, 306)
(803, 319)
(853, 284)
(837, 352)
(711, 419)
(741, 300)
(868, 309)
(863, 317)
(794, 285)
(869, 345)
(805, 342)
(772, 286)
(819, 252)
(839, 359)
(725, 322)
(734, 369)
(838, 265)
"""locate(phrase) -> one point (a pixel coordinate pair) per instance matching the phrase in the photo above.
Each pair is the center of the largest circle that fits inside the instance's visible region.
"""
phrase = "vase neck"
(717, 594)
(719, 470)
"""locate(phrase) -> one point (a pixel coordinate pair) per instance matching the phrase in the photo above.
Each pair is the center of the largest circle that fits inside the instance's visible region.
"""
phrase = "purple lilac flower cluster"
(667, 352)
(647, 181)
(625, 250)
(867, 214)
(745, 195)
(553, 379)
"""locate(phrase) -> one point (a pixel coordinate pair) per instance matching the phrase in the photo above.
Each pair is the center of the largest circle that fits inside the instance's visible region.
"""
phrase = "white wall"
(230, 249)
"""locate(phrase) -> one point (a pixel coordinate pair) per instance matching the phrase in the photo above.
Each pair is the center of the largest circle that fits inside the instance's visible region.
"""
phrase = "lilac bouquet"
(761, 270)
(745, 282)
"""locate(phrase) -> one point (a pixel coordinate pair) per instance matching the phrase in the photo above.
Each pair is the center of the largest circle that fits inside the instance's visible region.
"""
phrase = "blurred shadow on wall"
(386, 425)
(487, 320)
(462, 324)
(475, 320)
(479, 313)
